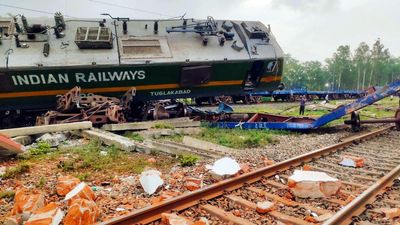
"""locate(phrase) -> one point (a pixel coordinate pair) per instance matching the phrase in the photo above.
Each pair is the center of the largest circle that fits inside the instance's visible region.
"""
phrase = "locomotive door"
(253, 77)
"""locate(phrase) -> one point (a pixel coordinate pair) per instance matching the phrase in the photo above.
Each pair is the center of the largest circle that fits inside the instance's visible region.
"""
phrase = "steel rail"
(357, 206)
(153, 213)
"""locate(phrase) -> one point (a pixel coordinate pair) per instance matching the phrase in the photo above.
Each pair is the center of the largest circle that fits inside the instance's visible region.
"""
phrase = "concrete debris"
(202, 221)
(225, 166)
(150, 181)
(193, 184)
(82, 212)
(200, 144)
(25, 203)
(65, 184)
(130, 180)
(9, 145)
(81, 191)
(109, 138)
(264, 207)
(173, 219)
(175, 122)
(23, 140)
(53, 139)
(311, 184)
(352, 161)
(23, 131)
(50, 214)
(390, 212)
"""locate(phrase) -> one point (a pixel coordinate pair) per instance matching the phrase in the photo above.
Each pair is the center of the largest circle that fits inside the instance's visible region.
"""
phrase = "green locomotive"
(161, 59)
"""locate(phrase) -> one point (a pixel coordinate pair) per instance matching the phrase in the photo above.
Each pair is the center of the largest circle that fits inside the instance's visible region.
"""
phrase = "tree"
(340, 67)
(362, 58)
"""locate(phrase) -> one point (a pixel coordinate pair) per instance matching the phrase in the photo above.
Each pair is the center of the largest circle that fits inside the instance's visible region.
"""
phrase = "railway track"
(233, 201)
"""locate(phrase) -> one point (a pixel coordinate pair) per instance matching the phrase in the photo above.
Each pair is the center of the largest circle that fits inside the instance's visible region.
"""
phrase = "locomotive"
(44, 58)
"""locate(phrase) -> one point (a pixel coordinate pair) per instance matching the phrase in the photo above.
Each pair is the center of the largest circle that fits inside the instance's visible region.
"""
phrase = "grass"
(237, 138)
(188, 159)
(13, 172)
(7, 194)
(134, 136)
(41, 148)
(162, 125)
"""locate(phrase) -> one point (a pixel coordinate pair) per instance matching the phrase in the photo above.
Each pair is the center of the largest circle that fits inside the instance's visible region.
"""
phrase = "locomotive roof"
(140, 45)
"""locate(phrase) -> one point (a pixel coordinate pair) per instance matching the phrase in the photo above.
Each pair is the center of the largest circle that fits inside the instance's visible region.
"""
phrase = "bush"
(188, 159)
(135, 136)
(41, 149)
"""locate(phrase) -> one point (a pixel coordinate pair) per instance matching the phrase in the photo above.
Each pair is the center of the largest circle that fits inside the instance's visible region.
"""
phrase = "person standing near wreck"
(302, 105)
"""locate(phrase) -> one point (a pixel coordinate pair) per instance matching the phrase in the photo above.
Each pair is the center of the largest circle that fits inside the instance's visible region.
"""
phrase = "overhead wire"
(134, 9)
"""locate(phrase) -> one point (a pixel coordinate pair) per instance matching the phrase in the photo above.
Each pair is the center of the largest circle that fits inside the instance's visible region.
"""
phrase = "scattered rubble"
(50, 214)
(27, 202)
(352, 161)
(65, 184)
(173, 219)
(265, 207)
(81, 191)
(53, 139)
(311, 184)
(82, 212)
(150, 181)
(193, 184)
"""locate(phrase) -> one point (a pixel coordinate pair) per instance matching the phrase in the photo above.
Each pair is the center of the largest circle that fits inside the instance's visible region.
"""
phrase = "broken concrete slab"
(65, 184)
(27, 202)
(81, 191)
(151, 181)
(23, 140)
(22, 131)
(312, 184)
(53, 139)
(8, 145)
(197, 143)
(175, 122)
(109, 138)
(82, 212)
(50, 214)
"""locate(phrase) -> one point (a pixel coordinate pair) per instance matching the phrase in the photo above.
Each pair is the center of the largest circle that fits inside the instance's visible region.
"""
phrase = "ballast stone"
(312, 184)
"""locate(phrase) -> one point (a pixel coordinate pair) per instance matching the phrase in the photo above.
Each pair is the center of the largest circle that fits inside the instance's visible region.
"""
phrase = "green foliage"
(364, 67)
(188, 159)
(162, 125)
(238, 138)
(41, 183)
(12, 172)
(41, 149)
(84, 176)
(135, 136)
(7, 194)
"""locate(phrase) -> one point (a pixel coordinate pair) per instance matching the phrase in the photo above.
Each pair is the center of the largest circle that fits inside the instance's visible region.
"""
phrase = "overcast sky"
(307, 29)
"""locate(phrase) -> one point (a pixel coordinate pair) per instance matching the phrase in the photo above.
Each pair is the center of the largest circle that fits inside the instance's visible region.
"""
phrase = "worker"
(327, 98)
(302, 104)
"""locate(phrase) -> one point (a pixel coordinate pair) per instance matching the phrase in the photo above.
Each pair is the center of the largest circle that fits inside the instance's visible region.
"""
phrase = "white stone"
(150, 181)
(53, 139)
(303, 175)
(225, 166)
